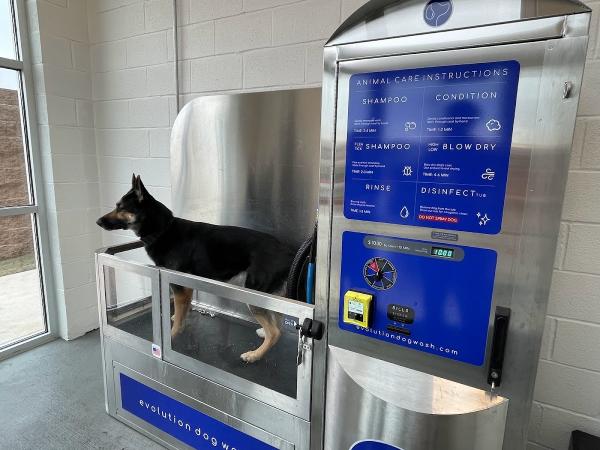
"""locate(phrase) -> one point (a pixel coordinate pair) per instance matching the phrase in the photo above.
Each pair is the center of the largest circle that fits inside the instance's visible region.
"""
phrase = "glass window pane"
(7, 41)
(218, 331)
(21, 302)
(14, 185)
(129, 302)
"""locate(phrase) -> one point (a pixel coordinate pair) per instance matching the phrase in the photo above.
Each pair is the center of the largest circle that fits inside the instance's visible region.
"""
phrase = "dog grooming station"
(444, 142)
(230, 170)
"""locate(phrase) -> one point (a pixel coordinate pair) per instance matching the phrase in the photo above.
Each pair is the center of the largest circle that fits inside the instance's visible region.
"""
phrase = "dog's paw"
(175, 331)
(251, 356)
(261, 333)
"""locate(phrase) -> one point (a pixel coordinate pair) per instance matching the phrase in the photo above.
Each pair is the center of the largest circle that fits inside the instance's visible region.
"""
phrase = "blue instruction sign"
(181, 421)
(431, 146)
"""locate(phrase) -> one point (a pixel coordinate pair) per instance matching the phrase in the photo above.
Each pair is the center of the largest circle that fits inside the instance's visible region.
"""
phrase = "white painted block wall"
(133, 87)
(243, 45)
(63, 92)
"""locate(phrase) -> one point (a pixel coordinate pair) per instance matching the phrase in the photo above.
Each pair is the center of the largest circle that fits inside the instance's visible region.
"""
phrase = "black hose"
(297, 275)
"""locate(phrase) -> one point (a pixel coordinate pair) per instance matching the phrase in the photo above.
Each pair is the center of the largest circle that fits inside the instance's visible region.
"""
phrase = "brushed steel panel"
(251, 416)
(382, 19)
(249, 160)
(403, 407)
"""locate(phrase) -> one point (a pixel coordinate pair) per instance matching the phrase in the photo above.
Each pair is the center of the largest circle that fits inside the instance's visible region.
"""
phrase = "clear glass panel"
(21, 301)
(7, 38)
(225, 334)
(14, 185)
(129, 302)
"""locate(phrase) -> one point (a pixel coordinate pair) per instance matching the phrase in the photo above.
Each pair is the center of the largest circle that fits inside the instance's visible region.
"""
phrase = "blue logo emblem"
(437, 12)
(373, 445)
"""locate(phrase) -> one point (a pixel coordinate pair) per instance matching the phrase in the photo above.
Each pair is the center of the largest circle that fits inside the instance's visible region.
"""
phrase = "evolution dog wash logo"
(181, 421)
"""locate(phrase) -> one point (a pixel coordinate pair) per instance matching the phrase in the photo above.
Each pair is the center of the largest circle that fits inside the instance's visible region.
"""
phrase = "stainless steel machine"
(444, 130)
(446, 134)
(249, 160)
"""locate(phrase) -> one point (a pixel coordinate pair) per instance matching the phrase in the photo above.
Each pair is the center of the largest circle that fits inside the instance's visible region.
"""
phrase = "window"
(23, 308)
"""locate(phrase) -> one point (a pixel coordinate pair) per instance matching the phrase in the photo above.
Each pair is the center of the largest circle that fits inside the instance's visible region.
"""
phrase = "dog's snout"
(100, 221)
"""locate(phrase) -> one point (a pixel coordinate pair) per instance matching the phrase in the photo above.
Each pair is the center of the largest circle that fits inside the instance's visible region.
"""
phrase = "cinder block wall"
(224, 46)
(133, 89)
(62, 89)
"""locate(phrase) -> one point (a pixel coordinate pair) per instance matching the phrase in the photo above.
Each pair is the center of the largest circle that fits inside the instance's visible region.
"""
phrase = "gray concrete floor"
(52, 398)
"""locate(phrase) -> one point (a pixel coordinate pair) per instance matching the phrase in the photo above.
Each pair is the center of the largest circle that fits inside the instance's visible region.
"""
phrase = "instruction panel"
(431, 146)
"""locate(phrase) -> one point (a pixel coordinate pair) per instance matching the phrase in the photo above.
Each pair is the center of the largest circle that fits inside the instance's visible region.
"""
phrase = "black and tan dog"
(212, 251)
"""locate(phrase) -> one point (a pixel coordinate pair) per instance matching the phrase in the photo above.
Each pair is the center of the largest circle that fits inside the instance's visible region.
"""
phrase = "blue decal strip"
(181, 421)
(431, 146)
(373, 445)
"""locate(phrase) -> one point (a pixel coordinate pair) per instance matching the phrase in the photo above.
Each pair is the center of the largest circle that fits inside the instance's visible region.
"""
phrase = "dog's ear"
(133, 181)
(139, 188)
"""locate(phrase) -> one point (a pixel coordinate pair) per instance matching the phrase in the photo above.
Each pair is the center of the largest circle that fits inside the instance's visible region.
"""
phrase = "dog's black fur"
(212, 251)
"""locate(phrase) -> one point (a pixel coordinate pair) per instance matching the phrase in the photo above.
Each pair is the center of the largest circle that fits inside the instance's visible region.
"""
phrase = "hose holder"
(501, 322)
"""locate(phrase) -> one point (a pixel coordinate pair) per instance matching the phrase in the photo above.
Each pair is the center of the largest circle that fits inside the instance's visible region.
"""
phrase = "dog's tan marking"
(270, 323)
(183, 301)
(123, 216)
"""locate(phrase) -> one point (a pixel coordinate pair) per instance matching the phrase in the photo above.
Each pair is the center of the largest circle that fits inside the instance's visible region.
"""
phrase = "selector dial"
(380, 274)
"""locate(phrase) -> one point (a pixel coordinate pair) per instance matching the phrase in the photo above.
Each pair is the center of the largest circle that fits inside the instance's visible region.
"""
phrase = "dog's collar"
(153, 237)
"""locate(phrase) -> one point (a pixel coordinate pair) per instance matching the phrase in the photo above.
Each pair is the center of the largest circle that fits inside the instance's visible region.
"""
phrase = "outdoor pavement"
(21, 312)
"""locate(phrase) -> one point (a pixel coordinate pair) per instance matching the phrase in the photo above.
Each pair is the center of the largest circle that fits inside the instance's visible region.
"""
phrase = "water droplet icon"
(404, 212)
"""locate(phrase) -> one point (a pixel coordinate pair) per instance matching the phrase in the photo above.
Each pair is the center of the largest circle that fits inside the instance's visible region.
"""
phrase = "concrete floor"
(51, 398)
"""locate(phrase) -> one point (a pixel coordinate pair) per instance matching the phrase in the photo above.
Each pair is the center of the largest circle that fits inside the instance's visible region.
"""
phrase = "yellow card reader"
(357, 308)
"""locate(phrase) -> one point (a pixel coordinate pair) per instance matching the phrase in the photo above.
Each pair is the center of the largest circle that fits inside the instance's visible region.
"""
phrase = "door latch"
(312, 329)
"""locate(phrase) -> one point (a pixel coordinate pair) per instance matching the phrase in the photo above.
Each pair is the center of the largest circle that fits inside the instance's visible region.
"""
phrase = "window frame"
(36, 208)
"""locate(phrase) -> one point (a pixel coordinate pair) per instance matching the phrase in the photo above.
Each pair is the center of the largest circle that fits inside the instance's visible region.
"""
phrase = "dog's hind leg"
(270, 323)
(183, 300)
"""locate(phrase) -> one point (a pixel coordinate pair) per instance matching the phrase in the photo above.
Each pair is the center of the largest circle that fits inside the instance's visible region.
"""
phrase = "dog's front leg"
(183, 300)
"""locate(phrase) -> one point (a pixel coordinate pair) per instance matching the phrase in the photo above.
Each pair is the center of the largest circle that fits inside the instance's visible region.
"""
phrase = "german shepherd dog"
(206, 250)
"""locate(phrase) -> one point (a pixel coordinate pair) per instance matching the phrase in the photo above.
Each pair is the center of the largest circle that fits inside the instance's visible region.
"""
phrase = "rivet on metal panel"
(567, 88)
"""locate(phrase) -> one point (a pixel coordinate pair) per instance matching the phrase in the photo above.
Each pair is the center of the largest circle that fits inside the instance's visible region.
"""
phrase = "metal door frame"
(37, 208)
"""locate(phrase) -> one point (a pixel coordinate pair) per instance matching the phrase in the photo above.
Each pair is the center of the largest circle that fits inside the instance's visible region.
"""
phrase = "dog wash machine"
(445, 131)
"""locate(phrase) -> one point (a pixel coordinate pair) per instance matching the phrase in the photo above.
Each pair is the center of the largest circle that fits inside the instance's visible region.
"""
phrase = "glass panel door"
(130, 302)
(245, 340)
(23, 312)
(21, 300)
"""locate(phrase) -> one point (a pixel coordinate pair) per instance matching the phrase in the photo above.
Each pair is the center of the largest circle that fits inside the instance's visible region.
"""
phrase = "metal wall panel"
(249, 160)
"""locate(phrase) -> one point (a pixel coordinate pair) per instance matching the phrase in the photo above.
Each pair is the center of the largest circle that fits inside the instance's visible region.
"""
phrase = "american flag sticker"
(156, 351)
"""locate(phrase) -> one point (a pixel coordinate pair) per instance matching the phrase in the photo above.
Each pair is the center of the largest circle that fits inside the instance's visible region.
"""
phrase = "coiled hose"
(300, 271)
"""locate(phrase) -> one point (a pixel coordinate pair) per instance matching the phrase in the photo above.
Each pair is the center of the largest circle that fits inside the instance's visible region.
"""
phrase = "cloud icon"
(493, 125)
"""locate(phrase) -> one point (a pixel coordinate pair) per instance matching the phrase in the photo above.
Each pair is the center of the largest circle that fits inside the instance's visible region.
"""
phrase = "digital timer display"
(447, 253)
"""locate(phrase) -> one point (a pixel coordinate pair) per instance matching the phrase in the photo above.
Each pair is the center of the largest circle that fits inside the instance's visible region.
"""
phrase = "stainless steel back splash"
(249, 160)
